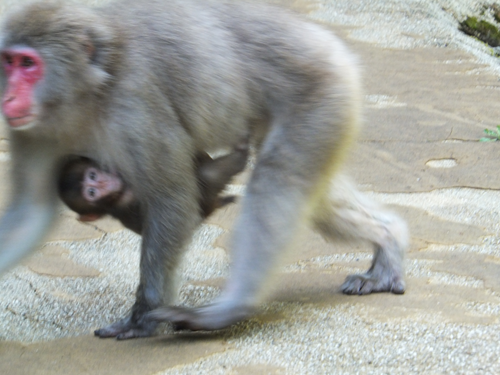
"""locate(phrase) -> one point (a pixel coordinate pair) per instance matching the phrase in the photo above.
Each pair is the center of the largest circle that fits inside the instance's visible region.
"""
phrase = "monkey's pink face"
(98, 184)
(23, 68)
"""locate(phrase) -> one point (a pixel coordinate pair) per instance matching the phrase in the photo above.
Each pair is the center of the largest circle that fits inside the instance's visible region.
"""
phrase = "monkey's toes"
(366, 284)
(126, 329)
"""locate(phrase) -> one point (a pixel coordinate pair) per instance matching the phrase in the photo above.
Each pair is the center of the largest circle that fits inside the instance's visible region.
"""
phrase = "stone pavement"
(418, 152)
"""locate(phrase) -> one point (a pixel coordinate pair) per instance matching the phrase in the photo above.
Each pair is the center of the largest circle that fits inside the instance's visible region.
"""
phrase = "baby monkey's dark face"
(92, 191)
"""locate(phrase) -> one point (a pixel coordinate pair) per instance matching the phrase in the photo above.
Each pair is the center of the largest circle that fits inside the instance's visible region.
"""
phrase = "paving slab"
(88, 355)
(430, 92)
(409, 167)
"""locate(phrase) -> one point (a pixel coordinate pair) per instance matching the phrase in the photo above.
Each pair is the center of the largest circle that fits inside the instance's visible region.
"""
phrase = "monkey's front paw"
(206, 318)
(126, 328)
(369, 283)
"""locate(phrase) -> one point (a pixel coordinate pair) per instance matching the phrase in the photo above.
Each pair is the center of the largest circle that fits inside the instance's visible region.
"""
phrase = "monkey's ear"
(102, 48)
(89, 217)
(89, 49)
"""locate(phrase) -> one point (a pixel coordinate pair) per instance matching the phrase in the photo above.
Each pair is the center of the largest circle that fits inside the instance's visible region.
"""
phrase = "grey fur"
(166, 81)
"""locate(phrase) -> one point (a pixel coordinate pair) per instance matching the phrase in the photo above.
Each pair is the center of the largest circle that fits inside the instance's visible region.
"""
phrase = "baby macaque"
(93, 192)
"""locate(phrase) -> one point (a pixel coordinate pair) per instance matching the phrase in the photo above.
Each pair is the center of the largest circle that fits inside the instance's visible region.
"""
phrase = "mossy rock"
(482, 30)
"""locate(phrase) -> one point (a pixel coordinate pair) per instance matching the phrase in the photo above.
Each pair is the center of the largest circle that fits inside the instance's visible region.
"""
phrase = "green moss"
(482, 30)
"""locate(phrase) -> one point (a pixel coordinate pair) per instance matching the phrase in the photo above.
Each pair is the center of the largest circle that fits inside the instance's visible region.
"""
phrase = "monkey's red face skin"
(23, 68)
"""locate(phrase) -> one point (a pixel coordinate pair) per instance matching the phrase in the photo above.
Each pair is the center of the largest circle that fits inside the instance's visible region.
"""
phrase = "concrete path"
(430, 92)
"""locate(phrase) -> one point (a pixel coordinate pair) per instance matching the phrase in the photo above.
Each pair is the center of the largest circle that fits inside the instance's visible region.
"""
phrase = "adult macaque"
(144, 86)
(93, 192)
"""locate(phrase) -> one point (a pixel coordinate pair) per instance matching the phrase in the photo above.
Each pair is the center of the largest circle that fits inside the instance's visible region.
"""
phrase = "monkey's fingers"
(207, 318)
(135, 333)
(180, 317)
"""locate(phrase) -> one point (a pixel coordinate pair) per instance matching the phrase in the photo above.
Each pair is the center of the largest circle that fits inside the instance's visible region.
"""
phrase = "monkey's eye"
(7, 59)
(27, 62)
(91, 192)
(93, 176)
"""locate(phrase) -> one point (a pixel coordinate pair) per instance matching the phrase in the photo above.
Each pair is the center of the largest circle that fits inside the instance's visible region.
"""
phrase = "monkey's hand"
(129, 327)
(206, 318)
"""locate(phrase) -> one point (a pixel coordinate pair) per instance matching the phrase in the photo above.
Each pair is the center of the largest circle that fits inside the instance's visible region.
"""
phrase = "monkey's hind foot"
(370, 283)
(206, 318)
(126, 328)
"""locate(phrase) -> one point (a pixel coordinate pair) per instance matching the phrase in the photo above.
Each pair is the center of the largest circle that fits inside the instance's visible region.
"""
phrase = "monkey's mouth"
(20, 122)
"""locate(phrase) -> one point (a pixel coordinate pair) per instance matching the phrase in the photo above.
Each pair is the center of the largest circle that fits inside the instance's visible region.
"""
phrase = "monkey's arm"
(33, 206)
(168, 196)
(168, 224)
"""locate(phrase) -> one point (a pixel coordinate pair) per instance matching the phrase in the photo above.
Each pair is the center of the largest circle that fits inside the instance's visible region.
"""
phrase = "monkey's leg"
(264, 229)
(167, 228)
(350, 215)
(305, 143)
(274, 211)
